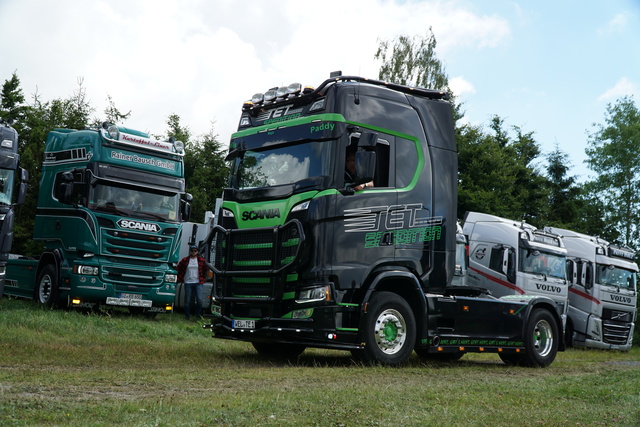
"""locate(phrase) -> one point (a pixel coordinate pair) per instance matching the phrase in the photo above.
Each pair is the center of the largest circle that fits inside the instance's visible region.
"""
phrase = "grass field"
(69, 368)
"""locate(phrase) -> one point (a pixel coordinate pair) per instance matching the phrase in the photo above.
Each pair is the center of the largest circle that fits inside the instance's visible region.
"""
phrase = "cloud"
(623, 87)
(201, 59)
(617, 24)
(461, 87)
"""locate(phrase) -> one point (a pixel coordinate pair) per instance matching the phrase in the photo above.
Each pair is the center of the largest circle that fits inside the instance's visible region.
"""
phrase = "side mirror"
(185, 208)
(22, 187)
(66, 188)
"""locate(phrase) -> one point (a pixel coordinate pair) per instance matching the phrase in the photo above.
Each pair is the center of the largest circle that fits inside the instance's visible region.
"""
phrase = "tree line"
(205, 168)
(502, 169)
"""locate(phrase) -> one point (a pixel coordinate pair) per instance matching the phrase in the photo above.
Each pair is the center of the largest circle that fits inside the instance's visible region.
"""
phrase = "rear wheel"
(390, 331)
(47, 292)
(279, 350)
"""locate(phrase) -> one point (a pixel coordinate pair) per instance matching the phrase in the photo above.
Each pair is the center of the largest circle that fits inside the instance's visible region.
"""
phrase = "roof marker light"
(113, 132)
(270, 95)
(294, 88)
(282, 92)
(179, 146)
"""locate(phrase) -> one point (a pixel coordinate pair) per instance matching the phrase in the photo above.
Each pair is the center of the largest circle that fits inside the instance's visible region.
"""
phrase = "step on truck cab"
(307, 255)
(510, 257)
(110, 206)
(602, 291)
(13, 186)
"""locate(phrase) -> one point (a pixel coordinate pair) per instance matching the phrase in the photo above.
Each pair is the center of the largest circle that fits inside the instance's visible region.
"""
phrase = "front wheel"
(389, 331)
(541, 339)
(47, 290)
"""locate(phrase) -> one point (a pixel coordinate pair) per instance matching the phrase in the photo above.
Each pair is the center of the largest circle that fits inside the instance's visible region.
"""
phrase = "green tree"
(614, 154)
(412, 61)
(113, 114)
(38, 120)
(205, 170)
(497, 173)
(12, 105)
(564, 204)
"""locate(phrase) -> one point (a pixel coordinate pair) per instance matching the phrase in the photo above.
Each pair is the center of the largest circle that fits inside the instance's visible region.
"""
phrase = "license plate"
(131, 296)
(244, 324)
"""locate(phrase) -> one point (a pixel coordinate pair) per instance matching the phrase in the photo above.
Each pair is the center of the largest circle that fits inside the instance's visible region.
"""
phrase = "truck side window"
(384, 167)
(570, 271)
(406, 162)
(588, 276)
(495, 261)
(79, 188)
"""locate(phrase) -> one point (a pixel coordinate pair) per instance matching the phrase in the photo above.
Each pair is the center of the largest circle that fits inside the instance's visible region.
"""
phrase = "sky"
(547, 67)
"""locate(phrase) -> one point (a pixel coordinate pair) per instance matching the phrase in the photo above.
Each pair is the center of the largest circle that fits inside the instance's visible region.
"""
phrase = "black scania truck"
(13, 187)
(311, 251)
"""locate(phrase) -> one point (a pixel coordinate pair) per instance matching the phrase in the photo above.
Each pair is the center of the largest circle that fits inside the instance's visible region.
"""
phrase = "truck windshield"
(281, 165)
(539, 262)
(616, 276)
(6, 186)
(127, 201)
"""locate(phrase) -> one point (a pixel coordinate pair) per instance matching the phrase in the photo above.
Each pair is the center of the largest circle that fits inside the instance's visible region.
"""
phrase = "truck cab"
(13, 187)
(602, 291)
(313, 252)
(110, 209)
(510, 257)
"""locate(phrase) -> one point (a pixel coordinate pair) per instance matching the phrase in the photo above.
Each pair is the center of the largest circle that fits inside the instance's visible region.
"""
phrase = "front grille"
(616, 333)
(616, 326)
(257, 251)
(131, 276)
(252, 264)
(136, 245)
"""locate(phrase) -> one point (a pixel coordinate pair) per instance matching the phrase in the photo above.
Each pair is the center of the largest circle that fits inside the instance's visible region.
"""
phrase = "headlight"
(301, 206)
(321, 293)
(87, 270)
(171, 278)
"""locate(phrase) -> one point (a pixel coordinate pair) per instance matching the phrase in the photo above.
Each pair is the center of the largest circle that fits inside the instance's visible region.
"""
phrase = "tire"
(541, 339)
(278, 350)
(47, 292)
(389, 330)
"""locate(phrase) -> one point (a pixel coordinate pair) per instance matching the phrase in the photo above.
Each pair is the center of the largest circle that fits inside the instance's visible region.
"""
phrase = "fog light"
(87, 270)
(302, 314)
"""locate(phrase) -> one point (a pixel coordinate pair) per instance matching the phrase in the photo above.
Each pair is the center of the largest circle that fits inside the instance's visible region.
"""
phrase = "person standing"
(192, 271)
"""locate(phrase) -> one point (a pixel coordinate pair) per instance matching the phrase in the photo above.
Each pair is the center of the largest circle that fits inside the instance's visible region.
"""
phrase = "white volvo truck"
(602, 291)
(510, 257)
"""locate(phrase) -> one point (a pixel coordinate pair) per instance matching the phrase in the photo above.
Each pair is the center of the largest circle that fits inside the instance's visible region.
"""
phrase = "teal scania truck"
(13, 186)
(110, 206)
(307, 255)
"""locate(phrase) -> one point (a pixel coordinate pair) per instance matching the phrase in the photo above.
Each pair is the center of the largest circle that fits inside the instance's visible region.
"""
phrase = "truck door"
(362, 236)
(581, 298)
